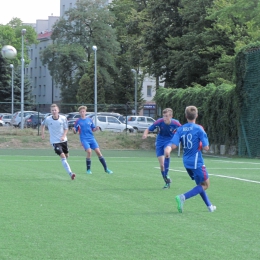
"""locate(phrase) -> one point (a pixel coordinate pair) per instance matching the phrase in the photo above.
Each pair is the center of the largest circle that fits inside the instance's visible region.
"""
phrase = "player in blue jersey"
(58, 129)
(85, 126)
(193, 138)
(166, 127)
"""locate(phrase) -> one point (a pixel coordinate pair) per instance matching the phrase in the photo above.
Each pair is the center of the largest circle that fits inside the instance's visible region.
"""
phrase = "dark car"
(71, 123)
(34, 121)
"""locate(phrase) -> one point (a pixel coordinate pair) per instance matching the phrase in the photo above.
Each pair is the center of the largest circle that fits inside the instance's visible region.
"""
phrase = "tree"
(128, 25)
(165, 21)
(86, 25)
(66, 66)
(86, 92)
(10, 34)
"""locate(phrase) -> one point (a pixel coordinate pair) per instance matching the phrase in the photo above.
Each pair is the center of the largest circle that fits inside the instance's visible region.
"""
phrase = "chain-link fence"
(123, 109)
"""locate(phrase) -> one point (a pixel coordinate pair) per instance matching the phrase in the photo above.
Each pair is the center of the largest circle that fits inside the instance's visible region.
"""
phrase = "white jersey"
(56, 128)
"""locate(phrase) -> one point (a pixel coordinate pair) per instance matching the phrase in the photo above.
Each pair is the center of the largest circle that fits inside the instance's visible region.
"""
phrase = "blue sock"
(205, 198)
(166, 166)
(88, 163)
(195, 191)
(163, 174)
(102, 160)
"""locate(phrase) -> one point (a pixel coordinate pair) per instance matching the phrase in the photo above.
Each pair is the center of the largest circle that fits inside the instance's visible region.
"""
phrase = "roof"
(44, 35)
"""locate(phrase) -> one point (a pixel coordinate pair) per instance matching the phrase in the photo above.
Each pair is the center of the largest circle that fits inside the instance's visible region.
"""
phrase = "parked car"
(48, 114)
(16, 119)
(140, 123)
(120, 117)
(71, 123)
(110, 123)
(75, 115)
(6, 118)
(34, 120)
(2, 123)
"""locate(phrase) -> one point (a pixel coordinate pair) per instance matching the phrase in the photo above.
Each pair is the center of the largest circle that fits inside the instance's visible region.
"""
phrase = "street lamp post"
(23, 32)
(134, 71)
(12, 67)
(95, 85)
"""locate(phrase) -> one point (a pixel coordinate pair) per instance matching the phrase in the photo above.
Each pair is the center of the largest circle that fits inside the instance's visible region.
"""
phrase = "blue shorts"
(89, 144)
(160, 149)
(199, 175)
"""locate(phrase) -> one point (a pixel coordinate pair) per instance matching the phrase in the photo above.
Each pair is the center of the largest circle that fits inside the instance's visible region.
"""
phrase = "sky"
(28, 10)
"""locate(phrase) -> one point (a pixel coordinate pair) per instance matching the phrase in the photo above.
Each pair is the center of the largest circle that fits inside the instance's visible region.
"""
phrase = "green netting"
(249, 92)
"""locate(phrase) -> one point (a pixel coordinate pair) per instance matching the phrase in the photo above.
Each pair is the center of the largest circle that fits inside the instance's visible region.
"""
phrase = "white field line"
(224, 161)
(221, 176)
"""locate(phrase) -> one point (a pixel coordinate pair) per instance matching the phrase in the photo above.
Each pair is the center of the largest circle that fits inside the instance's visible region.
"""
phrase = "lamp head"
(133, 70)
(94, 48)
(23, 31)
(11, 66)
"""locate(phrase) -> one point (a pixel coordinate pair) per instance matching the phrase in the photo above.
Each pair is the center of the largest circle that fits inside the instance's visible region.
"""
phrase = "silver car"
(140, 123)
(6, 118)
(110, 123)
(16, 119)
(2, 123)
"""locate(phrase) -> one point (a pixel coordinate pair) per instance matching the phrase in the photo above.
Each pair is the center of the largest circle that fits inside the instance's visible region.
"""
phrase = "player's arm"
(64, 134)
(95, 129)
(43, 129)
(206, 147)
(175, 141)
(75, 128)
(146, 132)
(204, 140)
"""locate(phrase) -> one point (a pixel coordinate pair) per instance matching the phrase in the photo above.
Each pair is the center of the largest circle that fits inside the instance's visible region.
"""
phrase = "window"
(31, 71)
(31, 54)
(35, 62)
(149, 91)
(132, 118)
(102, 119)
(40, 90)
(40, 72)
(112, 120)
(149, 120)
(141, 119)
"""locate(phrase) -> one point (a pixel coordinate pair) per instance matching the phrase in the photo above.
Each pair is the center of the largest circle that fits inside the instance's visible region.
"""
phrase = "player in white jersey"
(58, 129)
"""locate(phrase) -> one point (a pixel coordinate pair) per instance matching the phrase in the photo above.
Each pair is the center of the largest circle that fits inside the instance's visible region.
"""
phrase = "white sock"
(66, 165)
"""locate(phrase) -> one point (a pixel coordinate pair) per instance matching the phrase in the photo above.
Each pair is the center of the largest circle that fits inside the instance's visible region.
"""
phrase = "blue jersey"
(166, 131)
(191, 135)
(85, 128)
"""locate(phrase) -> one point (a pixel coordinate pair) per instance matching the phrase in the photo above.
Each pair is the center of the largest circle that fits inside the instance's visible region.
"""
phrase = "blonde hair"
(191, 112)
(166, 110)
(82, 107)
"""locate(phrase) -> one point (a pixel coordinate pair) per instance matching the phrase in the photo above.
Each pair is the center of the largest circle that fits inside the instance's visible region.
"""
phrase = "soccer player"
(85, 126)
(166, 127)
(58, 129)
(193, 138)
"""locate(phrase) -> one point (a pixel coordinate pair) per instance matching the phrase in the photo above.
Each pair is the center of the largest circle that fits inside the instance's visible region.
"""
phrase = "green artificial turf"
(125, 215)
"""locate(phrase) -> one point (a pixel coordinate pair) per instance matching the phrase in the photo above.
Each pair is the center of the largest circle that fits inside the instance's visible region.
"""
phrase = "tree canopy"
(10, 34)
